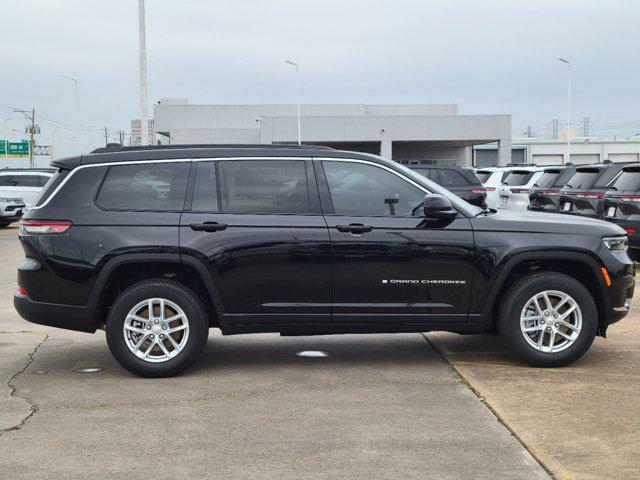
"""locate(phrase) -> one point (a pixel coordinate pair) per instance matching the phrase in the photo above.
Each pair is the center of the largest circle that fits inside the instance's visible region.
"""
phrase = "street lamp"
(297, 95)
(567, 131)
(75, 89)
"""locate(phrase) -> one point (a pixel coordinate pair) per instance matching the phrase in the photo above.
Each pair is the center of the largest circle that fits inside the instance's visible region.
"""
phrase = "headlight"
(616, 244)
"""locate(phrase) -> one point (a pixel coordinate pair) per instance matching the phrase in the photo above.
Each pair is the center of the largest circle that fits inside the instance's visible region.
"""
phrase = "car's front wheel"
(157, 328)
(548, 318)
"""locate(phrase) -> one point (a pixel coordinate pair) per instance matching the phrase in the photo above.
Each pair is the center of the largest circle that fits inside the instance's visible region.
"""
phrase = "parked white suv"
(25, 184)
(11, 210)
(491, 179)
(514, 191)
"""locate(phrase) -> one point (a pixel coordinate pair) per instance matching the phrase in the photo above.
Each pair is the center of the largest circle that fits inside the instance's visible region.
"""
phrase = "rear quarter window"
(547, 179)
(152, 187)
(610, 173)
(49, 187)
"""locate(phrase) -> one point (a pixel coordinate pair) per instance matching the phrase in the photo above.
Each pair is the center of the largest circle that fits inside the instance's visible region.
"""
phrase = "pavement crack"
(484, 401)
(12, 387)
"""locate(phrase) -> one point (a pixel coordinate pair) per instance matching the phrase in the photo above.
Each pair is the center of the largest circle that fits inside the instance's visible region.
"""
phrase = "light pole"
(297, 95)
(75, 93)
(6, 142)
(144, 132)
(567, 131)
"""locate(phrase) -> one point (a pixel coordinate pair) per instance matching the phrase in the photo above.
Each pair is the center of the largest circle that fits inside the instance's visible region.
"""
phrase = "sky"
(489, 56)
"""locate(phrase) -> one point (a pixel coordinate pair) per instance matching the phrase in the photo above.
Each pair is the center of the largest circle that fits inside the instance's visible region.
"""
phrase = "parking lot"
(379, 406)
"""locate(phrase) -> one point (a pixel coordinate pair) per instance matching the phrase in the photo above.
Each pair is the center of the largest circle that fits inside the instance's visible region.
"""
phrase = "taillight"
(478, 190)
(630, 198)
(589, 195)
(630, 230)
(37, 227)
(22, 291)
(552, 193)
(490, 189)
(519, 190)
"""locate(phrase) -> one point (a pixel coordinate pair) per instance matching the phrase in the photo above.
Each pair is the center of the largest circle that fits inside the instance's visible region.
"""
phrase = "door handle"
(354, 228)
(208, 226)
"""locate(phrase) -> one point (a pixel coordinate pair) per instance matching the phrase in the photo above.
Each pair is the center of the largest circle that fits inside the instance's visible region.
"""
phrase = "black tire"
(174, 292)
(4, 224)
(515, 300)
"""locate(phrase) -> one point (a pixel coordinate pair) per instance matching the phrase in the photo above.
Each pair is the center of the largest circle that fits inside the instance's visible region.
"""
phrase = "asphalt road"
(379, 406)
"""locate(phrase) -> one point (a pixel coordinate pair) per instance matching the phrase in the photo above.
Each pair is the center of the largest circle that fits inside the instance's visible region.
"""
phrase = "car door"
(390, 264)
(257, 226)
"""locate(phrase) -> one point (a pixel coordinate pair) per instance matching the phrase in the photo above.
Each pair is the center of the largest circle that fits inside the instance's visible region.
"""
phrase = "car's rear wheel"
(157, 328)
(548, 318)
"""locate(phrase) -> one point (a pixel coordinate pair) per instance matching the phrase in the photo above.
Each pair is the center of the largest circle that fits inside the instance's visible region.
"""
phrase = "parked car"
(621, 205)
(158, 244)
(544, 195)
(11, 210)
(491, 179)
(458, 180)
(514, 191)
(584, 192)
(23, 183)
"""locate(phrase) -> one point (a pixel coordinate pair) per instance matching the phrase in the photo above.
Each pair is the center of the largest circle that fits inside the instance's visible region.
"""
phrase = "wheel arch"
(579, 265)
(125, 270)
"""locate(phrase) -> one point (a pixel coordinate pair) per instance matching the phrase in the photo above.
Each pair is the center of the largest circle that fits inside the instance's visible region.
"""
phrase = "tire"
(526, 344)
(163, 360)
(4, 224)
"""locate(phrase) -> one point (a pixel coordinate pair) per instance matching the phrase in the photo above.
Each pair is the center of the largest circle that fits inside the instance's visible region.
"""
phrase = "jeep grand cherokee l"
(158, 244)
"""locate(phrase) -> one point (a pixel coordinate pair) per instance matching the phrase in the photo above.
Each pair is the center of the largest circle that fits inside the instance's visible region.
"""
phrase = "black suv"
(583, 193)
(622, 206)
(544, 195)
(158, 244)
(456, 179)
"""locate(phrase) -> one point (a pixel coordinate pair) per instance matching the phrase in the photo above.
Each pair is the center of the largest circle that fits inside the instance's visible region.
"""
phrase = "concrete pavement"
(380, 406)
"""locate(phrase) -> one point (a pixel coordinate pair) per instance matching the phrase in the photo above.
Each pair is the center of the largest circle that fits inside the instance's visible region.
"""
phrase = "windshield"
(517, 177)
(547, 179)
(435, 188)
(483, 176)
(628, 181)
(583, 179)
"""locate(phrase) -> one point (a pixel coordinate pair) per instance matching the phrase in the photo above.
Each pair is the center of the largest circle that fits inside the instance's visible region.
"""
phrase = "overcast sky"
(487, 56)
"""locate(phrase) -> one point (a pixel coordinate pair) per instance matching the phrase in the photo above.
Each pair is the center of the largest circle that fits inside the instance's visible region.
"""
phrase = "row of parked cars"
(19, 189)
(607, 191)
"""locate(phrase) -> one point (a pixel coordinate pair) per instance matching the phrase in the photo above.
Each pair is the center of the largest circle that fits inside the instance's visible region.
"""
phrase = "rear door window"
(145, 187)
(518, 177)
(264, 186)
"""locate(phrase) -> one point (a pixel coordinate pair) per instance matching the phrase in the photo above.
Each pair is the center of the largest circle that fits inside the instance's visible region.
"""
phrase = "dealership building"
(404, 133)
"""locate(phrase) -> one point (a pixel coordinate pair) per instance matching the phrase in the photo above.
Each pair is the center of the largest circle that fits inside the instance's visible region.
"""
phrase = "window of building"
(264, 186)
(366, 190)
(155, 187)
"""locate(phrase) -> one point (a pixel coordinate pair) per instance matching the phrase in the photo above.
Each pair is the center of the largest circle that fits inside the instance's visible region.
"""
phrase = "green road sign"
(16, 149)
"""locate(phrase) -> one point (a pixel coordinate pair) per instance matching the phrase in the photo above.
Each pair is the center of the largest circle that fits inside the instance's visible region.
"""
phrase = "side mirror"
(438, 206)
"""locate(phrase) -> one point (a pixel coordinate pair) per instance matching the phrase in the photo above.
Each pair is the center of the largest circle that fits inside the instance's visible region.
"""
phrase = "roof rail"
(116, 147)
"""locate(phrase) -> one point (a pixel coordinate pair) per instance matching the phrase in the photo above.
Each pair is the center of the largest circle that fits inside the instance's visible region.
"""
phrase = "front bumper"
(71, 317)
(621, 290)
(12, 211)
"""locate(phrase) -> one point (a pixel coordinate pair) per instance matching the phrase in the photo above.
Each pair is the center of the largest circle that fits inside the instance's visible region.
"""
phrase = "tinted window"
(483, 176)
(157, 187)
(628, 181)
(451, 179)
(360, 189)
(42, 180)
(52, 183)
(505, 174)
(583, 179)
(609, 174)
(205, 190)
(564, 177)
(547, 179)
(426, 172)
(18, 180)
(264, 186)
(517, 177)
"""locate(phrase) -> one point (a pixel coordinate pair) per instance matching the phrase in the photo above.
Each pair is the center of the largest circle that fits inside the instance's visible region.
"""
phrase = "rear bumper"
(70, 317)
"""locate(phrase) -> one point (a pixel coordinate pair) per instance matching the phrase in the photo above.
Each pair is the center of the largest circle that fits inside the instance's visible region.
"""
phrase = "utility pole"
(31, 130)
(106, 136)
(144, 127)
(121, 136)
